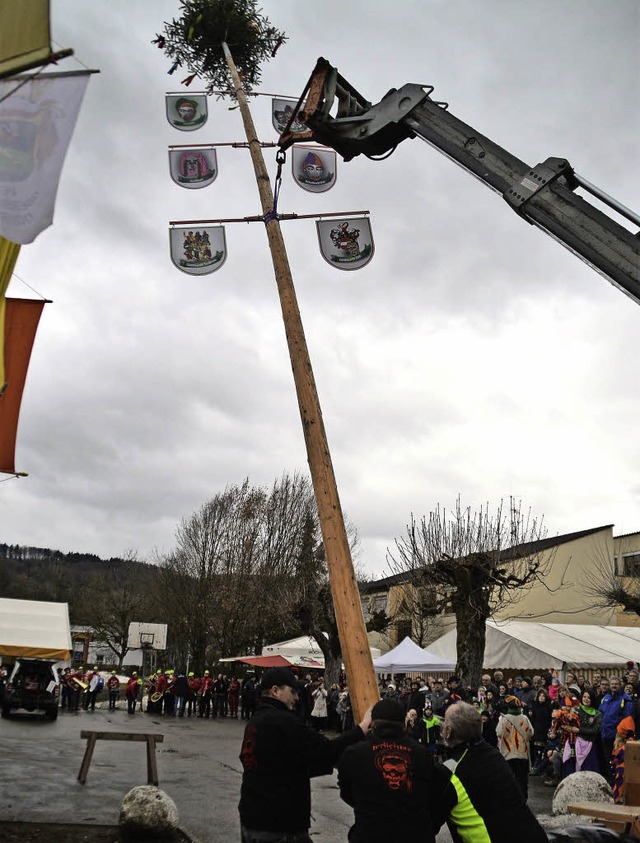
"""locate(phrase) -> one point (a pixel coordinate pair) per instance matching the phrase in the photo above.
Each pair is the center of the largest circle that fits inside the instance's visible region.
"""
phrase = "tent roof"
(523, 644)
(34, 629)
(265, 661)
(302, 646)
(408, 657)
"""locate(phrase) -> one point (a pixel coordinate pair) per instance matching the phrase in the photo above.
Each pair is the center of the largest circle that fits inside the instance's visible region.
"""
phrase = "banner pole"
(363, 689)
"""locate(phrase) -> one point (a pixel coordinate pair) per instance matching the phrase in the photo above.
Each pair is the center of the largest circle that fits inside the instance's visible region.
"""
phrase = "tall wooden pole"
(363, 689)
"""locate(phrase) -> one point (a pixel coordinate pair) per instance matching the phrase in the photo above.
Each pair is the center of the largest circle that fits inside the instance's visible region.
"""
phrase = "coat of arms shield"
(281, 112)
(198, 251)
(346, 244)
(314, 167)
(193, 168)
(187, 113)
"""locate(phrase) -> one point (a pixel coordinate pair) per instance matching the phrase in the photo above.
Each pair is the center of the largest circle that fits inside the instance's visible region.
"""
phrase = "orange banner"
(20, 325)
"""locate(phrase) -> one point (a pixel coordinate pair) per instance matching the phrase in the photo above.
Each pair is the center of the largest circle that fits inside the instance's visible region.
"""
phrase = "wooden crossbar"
(150, 739)
(624, 818)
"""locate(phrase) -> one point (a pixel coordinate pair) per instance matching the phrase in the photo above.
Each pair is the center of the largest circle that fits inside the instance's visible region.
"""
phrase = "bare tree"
(116, 599)
(471, 563)
(613, 582)
(248, 567)
(207, 580)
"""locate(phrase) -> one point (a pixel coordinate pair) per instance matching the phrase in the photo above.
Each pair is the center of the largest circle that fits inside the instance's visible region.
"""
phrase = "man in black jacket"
(279, 757)
(389, 782)
(481, 801)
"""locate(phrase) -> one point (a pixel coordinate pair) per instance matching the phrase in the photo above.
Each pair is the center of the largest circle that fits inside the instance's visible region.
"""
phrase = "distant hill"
(39, 573)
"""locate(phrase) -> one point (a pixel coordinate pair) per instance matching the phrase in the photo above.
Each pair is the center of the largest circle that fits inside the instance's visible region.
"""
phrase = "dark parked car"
(33, 685)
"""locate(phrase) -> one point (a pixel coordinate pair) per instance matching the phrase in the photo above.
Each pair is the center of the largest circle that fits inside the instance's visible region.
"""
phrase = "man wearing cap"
(131, 691)
(389, 782)
(438, 697)
(481, 801)
(279, 756)
(194, 685)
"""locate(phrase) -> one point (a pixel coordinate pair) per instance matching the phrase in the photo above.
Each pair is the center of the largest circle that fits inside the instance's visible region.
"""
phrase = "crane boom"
(544, 195)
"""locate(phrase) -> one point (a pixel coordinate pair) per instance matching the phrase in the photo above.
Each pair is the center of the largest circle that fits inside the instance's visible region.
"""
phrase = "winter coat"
(482, 801)
(514, 732)
(389, 782)
(319, 703)
(279, 757)
(614, 707)
(540, 718)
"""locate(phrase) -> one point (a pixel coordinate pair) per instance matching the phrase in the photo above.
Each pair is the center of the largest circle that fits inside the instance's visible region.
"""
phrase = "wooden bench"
(151, 740)
(624, 818)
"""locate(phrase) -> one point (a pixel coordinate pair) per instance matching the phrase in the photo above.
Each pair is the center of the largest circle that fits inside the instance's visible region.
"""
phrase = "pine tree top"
(194, 41)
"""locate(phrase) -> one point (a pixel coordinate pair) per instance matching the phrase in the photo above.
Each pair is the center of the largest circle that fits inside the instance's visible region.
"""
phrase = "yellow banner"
(34, 652)
(24, 35)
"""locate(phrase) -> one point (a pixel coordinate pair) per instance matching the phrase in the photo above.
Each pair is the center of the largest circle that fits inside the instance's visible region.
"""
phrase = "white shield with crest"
(193, 168)
(281, 112)
(198, 251)
(187, 113)
(346, 243)
(314, 167)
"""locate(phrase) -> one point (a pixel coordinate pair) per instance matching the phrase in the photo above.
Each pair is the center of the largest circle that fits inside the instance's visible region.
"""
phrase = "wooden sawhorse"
(92, 737)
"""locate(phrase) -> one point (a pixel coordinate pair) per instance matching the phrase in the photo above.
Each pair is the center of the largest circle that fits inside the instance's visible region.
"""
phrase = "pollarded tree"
(471, 564)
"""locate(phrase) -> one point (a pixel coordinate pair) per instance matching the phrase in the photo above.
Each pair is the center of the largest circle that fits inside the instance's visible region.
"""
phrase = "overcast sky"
(472, 356)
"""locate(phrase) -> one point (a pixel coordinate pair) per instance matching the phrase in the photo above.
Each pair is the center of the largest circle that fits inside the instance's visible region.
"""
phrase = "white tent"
(408, 657)
(34, 629)
(301, 651)
(553, 646)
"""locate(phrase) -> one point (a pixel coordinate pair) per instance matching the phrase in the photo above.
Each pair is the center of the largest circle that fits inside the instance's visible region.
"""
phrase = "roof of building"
(518, 551)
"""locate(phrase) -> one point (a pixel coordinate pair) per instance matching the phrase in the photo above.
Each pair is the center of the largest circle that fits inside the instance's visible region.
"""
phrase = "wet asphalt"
(198, 767)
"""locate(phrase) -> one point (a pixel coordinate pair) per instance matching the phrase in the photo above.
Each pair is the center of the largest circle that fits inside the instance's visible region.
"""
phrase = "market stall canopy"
(263, 661)
(303, 651)
(34, 629)
(408, 657)
(553, 646)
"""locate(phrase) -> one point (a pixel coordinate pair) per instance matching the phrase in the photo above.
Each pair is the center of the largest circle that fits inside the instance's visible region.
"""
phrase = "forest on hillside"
(38, 573)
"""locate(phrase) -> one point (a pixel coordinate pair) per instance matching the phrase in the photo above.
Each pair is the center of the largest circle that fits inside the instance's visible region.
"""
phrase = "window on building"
(379, 603)
(403, 630)
(631, 564)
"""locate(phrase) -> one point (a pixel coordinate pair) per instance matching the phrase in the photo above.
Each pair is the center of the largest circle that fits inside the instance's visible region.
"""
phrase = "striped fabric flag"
(20, 318)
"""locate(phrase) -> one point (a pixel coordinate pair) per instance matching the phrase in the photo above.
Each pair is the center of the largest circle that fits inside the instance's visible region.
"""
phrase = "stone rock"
(147, 809)
(580, 787)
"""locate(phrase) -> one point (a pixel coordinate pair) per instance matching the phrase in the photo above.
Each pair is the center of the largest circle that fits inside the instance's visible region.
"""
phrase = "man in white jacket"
(514, 732)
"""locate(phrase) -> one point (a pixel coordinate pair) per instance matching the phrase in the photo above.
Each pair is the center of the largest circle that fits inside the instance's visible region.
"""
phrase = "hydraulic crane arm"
(544, 195)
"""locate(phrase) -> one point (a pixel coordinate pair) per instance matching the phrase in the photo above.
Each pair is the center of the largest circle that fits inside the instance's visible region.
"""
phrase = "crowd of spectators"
(543, 725)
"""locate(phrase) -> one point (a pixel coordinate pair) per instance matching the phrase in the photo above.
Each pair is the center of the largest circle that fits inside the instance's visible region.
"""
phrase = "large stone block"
(580, 787)
(147, 809)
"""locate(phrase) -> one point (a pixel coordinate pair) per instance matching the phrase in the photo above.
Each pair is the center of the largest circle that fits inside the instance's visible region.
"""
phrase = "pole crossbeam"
(255, 218)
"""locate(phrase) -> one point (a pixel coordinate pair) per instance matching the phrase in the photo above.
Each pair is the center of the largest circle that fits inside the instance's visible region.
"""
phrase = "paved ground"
(198, 768)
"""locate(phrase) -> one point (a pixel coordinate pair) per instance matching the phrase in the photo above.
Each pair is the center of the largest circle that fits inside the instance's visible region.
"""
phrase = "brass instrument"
(82, 685)
(156, 696)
